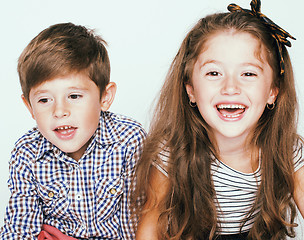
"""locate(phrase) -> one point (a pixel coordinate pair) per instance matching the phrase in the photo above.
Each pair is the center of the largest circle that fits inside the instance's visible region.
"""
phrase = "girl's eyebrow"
(209, 62)
(243, 64)
(254, 65)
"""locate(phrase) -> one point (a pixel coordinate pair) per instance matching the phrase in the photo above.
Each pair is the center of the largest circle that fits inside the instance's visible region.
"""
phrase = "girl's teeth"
(231, 110)
(222, 106)
(231, 116)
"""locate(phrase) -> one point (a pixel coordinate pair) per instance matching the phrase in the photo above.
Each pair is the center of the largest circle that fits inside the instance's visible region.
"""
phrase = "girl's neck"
(239, 156)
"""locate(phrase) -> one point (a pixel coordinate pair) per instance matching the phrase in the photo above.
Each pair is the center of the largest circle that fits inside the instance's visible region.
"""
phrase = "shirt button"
(51, 194)
(78, 196)
(113, 190)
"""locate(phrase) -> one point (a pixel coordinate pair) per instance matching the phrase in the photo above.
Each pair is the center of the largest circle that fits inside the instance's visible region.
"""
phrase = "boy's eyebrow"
(35, 93)
(78, 88)
(69, 88)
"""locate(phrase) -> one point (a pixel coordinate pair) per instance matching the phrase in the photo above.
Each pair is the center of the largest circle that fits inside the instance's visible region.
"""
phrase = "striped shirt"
(235, 191)
(84, 199)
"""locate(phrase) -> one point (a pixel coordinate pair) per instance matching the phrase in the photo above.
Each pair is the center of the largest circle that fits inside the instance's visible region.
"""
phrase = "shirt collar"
(106, 134)
(43, 145)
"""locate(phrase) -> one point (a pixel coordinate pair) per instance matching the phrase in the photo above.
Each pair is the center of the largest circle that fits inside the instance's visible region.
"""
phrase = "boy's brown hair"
(63, 49)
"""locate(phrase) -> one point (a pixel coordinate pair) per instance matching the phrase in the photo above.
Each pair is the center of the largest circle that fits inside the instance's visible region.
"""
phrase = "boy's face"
(67, 111)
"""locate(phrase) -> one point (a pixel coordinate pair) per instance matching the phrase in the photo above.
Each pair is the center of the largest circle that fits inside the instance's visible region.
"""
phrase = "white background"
(143, 37)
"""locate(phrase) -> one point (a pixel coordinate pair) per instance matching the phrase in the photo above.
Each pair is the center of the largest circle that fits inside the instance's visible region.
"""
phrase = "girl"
(223, 159)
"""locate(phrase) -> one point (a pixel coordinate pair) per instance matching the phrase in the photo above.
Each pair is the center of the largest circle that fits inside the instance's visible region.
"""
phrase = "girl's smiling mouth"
(230, 111)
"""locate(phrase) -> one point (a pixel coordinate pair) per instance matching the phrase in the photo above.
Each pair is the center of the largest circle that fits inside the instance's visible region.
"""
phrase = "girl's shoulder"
(163, 158)
(298, 158)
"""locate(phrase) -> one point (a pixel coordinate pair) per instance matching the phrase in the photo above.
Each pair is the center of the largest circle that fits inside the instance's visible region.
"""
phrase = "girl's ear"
(190, 92)
(28, 106)
(108, 96)
(273, 95)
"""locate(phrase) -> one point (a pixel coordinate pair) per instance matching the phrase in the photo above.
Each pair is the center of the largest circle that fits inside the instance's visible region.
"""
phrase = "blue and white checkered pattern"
(84, 199)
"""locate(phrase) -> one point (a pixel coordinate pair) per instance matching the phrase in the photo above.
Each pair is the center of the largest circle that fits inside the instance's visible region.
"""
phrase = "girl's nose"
(61, 110)
(230, 86)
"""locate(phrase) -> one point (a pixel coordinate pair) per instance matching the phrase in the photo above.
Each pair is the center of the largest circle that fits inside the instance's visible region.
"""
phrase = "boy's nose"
(230, 86)
(61, 110)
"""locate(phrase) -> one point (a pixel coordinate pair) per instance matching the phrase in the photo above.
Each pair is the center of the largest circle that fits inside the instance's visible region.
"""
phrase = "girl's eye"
(75, 96)
(213, 74)
(249, 74)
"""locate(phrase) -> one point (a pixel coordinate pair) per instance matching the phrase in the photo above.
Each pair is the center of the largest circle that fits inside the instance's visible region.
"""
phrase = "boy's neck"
(80, 153)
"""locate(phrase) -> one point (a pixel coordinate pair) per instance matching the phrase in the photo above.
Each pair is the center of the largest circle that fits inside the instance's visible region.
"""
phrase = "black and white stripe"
(235, 191)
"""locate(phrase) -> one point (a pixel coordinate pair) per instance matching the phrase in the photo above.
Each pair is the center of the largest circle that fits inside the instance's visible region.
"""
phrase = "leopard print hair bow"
(279, 34)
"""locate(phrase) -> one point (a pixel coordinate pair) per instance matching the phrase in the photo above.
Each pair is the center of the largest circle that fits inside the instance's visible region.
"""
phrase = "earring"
(192, 104)
(270, 106)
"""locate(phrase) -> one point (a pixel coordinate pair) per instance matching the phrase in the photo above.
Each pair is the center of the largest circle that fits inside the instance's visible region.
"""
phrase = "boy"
(73, 171)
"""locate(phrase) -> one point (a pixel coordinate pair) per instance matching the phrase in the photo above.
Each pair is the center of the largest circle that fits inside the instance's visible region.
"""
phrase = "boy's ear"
(28, 106)
(108, 96)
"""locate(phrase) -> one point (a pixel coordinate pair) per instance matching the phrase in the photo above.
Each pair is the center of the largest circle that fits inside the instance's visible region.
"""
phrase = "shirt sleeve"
(134, 149)
(23, 217)
(298, 155)
(162, 162)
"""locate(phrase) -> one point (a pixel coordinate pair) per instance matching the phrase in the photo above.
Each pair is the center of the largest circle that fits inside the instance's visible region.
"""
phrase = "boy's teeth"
(64, 127)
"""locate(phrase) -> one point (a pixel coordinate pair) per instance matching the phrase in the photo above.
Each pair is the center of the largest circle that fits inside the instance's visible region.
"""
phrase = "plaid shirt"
(85, 199)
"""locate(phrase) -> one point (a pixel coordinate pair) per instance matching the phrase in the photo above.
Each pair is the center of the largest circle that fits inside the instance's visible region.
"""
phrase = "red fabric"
(51, 233)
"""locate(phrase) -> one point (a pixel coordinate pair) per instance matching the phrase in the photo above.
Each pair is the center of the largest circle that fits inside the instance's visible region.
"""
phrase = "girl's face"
(231, 84)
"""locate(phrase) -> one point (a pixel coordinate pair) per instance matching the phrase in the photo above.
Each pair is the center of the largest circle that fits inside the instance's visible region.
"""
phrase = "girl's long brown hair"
(188, 211)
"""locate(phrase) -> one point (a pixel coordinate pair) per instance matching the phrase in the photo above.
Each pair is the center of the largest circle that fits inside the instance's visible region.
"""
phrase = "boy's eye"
(43, 100)
(75, 96)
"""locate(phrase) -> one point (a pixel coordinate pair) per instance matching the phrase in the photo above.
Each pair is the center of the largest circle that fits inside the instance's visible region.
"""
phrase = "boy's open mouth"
(231, 110)
(65, 130)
